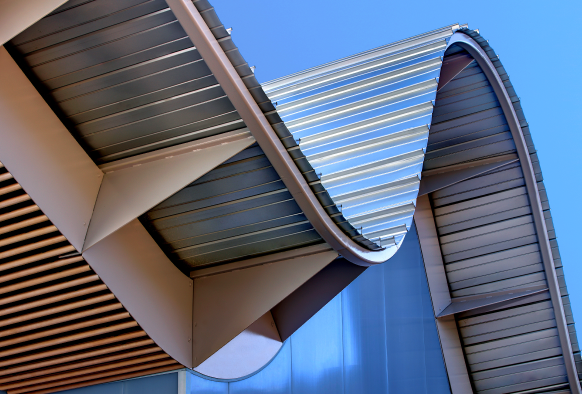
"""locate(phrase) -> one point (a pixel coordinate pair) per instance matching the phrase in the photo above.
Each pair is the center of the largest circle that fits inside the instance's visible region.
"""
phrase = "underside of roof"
(490, 243)
(60, 326)
(126, 79)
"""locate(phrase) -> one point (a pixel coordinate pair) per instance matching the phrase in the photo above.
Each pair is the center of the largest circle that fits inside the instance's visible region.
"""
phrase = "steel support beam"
(452, 67)
(441, 298)
(301, 305)
(132, 186)
(225, 304)
(43, 156)
(434, 180)
(150, 287)
(248, 352)
(463, 304)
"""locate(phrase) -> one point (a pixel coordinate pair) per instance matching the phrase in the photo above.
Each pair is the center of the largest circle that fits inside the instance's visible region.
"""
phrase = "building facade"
(377, 224)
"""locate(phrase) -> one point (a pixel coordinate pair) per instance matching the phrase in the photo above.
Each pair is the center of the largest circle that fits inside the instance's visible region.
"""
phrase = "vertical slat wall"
(60, 327)
(489, 242)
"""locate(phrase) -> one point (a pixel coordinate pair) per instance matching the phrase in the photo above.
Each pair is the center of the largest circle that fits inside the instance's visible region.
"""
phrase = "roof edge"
(232, 83)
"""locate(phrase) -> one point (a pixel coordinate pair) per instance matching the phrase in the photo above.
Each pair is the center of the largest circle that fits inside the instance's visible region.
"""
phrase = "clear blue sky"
(538, 43)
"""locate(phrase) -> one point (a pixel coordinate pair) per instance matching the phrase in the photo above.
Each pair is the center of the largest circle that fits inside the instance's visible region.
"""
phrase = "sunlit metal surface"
(362, 123)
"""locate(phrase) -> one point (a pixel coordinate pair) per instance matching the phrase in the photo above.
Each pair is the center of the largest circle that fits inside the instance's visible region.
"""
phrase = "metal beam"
(301, 305)
(43, 156)
(471, 46)
(132, 186)
(441, 298)
(463, 304)
(231, 82)
(225, 304)
(434, 180)
(156, 294)
(16, 16)
(452, 66)
(248, 352)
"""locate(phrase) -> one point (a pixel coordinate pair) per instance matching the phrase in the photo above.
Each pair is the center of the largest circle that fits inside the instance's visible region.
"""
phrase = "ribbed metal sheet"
(124, 77)
(362, 123)
(489, 242)
(238, 210)
(60, 327)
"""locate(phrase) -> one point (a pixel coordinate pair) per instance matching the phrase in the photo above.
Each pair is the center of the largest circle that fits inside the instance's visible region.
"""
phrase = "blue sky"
(538, 43)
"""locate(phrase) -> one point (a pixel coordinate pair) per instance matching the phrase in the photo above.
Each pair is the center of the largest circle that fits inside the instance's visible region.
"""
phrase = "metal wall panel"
(365, 342)
(275, 378)
(413, 347)
(317, 364)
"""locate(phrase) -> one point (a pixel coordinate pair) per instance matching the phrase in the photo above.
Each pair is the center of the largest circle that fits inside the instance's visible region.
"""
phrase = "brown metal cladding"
(60, 326)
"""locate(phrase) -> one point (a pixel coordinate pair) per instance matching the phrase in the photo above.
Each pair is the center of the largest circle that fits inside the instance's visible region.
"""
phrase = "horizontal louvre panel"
(59, 324)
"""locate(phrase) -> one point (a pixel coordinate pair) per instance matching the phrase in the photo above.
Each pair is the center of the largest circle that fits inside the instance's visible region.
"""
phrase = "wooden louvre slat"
(24, 223)
(40, 268)
(30, 234)
(79, 354)
(54, 310)
(89, 362)
(60, 326)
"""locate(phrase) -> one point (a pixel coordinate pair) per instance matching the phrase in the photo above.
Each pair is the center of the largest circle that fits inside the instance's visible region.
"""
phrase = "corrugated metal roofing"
(488, 240)
(60, 326)
(362, 123)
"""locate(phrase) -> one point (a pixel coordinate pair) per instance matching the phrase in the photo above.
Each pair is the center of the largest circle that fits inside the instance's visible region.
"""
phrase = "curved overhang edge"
(470, 45)
(198, 31)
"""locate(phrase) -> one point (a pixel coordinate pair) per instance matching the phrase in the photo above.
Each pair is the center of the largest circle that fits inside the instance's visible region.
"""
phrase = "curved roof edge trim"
(470, 45)
(200, 34)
